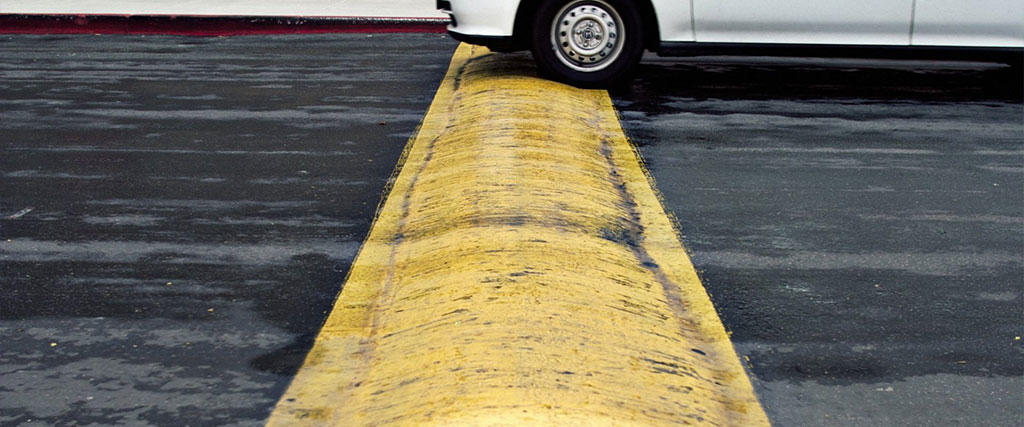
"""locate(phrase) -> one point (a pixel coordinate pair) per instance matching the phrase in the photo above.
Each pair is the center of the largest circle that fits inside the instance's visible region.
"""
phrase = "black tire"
(587, 43)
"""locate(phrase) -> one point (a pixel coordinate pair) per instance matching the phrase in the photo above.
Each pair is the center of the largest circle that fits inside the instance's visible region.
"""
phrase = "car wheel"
(587, 43)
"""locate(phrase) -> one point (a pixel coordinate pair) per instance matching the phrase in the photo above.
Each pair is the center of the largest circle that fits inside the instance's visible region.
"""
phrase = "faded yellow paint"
(522, 270)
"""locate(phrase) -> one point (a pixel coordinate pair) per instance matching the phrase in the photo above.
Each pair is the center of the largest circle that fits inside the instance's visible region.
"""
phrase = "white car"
(597, 42)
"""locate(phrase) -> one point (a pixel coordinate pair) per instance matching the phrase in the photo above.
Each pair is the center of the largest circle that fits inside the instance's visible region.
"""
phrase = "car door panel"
(675, 23)
(863, 22)
(968, 23)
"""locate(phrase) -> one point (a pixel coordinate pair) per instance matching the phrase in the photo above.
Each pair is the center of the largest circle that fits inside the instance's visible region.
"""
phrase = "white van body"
(983, 23)
(688, 27)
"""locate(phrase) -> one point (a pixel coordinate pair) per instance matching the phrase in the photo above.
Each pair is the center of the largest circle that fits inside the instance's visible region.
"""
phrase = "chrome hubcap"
(586, 35)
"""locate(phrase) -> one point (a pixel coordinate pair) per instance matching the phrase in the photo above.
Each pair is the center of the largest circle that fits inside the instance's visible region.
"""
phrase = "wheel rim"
(587, 35)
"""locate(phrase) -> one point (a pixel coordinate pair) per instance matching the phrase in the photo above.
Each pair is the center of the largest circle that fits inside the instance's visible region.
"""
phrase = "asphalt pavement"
(858, 223)
(177, 214)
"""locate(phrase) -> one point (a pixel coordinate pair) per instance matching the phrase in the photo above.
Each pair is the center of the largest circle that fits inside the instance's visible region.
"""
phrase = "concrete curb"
(210, 25)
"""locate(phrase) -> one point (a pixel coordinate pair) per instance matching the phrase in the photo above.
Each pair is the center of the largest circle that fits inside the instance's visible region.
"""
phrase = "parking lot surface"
(859, 225)
(177, 214)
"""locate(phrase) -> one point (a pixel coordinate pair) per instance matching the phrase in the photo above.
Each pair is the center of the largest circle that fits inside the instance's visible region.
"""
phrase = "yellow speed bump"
(522, 270)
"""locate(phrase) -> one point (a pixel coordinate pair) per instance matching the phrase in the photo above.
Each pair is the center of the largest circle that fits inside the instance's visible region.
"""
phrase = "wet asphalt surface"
(177, 215)
(859, 225)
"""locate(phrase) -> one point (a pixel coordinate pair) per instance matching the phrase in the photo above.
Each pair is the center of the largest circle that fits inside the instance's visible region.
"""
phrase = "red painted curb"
(198, 25)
